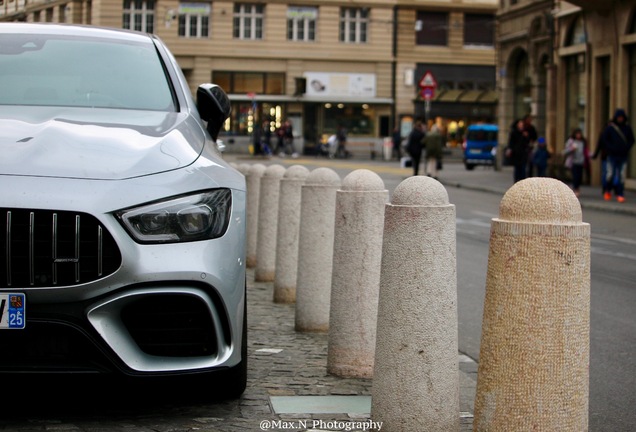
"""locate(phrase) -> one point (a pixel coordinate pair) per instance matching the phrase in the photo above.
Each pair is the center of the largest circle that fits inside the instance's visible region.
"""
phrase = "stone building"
(317, 64)
(570, 65)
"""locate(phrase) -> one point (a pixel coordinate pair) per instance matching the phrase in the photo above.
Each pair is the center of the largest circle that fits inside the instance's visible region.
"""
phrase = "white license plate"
(12, 311)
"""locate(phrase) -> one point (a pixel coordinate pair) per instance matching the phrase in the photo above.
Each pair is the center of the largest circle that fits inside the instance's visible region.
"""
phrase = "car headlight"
(201, 216)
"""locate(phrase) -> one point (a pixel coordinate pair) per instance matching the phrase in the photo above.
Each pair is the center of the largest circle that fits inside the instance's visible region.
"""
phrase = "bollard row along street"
(535, 315)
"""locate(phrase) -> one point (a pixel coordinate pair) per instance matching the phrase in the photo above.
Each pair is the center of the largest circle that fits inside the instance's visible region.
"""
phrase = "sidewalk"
(454, 174)
(488, 180)
(288, 385)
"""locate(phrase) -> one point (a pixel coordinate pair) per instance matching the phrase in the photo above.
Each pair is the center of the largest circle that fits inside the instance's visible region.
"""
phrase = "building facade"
(569, 65)
(317, 64)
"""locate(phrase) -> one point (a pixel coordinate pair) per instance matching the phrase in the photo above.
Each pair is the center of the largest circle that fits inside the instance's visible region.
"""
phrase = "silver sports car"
(122, 247)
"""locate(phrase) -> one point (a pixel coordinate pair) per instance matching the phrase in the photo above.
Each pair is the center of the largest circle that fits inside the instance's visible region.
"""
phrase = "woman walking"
(574, 153)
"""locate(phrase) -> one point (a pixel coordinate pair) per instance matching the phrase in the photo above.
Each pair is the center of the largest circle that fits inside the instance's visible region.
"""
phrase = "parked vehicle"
(123, 241)
(480, 145)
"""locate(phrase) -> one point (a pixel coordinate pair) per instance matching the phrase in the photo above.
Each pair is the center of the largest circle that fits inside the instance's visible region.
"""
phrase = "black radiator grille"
(41, 248)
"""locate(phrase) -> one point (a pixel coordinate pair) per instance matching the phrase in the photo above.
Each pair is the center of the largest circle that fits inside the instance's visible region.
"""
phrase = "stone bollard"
(268, 223)
(534, 356)
(253, 185)
(243, 168)
(416, 371)
(315, 250)
(355, 280)
(288, 230)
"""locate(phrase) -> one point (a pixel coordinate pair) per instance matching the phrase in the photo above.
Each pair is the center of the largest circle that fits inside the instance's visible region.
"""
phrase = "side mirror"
(214, 107)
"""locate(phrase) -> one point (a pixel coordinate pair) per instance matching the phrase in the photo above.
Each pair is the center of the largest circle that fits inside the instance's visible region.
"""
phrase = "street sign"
(428, 93)
(428, 81)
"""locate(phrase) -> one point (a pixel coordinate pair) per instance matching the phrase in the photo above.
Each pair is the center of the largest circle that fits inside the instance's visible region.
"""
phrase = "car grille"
(41, 248)
(171, 325)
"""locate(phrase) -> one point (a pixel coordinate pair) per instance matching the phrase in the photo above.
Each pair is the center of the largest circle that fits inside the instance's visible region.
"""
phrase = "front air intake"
(171, 325)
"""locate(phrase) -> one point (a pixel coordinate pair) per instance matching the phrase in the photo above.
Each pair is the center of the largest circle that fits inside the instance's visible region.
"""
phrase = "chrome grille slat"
(54, 251)
(55, 248)
(31, 248)
(77, 248)
(8, 249)
(100, 251)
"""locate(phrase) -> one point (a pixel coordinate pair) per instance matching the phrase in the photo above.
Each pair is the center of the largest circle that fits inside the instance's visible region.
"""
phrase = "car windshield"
(56, 70)
(481, 135)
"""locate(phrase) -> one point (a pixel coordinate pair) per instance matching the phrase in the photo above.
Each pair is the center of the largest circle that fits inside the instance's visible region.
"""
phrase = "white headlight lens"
(196, 217)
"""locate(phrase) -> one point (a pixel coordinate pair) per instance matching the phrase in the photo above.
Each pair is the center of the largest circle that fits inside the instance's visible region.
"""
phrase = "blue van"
(480, 145)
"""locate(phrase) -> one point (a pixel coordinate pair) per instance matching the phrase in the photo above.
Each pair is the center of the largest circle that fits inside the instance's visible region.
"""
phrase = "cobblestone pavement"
(282, 362)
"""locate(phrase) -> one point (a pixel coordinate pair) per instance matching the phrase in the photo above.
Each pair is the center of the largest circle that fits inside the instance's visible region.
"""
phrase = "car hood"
(102, 144)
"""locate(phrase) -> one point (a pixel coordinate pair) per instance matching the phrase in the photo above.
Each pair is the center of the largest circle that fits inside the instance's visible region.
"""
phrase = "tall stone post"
(268, 223)
(534, 355)
(355, 280)
(416, 371)
(288, 232)
(253, 185)
(315, 250)
(243, 168)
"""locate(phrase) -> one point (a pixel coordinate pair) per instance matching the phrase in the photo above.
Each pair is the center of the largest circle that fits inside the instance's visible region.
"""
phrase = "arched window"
(522, 85)
(577, 34)
(576, 95)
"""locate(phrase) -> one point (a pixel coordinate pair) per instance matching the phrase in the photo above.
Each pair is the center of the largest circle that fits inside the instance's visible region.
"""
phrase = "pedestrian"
(396, 139)
(517, 150)
(434, 148)
(341, 147)
(265, 139)
(600, 151)
(531, 133)
(280, 140)
(256, 149)
(618, 139)
(414, 145)
(574, 153)
(540, 157)
(288, 139)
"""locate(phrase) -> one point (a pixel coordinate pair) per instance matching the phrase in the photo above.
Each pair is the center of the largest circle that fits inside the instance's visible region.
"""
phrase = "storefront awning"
(448, 95)
(467, 96)
(308, 99)
(470, 96)
(489, 96)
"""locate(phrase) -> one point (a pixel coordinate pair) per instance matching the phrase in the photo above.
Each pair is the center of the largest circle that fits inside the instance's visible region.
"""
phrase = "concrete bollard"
(243, 168)
(268, 223)
(534, 355)
(288, 231)
(315, 250)
(416, 371)
(355, 280)
(253, 185)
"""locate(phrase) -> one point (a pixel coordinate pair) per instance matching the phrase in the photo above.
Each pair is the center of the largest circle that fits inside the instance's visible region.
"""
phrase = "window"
(353, 25)
(194, 20)
(431, 28)
(271, 83)
(139, 15)
(301, 23)
(479, 30)
(248, 20)
(577, 33)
